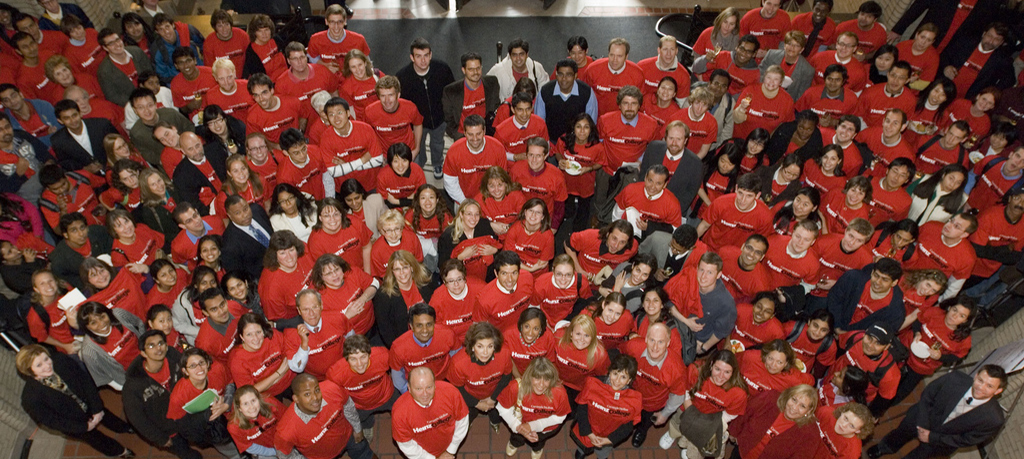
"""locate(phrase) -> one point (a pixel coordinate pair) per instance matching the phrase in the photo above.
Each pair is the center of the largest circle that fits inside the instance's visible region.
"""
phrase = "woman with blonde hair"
(789, 417)
(253, 422)
(500, 200)
(406, 282)
(59, 69)
(117, 147)
(240, 180)
(157, 200)
(578, 354)
(523, 401)
(360, 82)
(395, 236)
(471, 239)
(722, 36)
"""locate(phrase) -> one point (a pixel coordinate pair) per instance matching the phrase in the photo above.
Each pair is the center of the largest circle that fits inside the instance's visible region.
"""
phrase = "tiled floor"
(481, 443)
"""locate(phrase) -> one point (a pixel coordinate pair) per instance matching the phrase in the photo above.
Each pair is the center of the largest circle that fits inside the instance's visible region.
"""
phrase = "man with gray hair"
(316, 343)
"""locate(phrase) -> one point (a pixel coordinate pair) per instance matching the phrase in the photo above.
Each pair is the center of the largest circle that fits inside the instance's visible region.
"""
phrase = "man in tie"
(246, 237)
(954, 412)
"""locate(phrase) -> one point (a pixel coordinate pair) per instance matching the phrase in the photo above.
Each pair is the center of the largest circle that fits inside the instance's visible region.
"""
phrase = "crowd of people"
(771, 246)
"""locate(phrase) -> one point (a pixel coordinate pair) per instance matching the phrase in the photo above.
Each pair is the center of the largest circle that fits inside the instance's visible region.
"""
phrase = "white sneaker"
(666, 440)
(682, 454)
(510, 450)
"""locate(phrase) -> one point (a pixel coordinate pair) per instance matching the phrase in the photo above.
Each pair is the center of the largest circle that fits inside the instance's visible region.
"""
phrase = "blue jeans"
(436, 148)
(987, 290)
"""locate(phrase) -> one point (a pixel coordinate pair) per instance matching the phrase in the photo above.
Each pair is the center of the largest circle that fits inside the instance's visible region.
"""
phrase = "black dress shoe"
(875, 452)
(349, 12)
(579, 454)
(639, 436)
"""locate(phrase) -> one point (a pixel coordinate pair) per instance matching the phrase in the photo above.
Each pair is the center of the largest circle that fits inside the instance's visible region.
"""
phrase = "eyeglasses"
(455, 281)
(113, 42)
(201, 364)
(156, 345)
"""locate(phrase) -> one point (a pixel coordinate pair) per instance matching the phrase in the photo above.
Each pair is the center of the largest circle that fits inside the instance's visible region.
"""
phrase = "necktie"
(812, 39)
(260, 237)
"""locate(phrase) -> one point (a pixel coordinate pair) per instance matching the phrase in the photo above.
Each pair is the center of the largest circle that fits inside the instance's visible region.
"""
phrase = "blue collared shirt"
(540, 109)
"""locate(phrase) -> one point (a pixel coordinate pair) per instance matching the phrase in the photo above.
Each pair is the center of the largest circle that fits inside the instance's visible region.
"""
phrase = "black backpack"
(798, 329)
(888, 361)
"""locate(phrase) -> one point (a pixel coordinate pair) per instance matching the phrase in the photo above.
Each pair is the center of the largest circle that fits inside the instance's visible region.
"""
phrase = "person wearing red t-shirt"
(841, 252)
(194, 226)
(225, 42)
(530, 237)
(515, 132)
(768, 24)
(254, 422)
(975, 114)
(303, 79)
(482, 370)
(272, 114)
(842, 430)
(742, 271)
(504, 298)
(230, 94)
(534, 407)
(869, 351)
(304, 167)
(998, 227)
(735, 216)
(944, 246)
(817, 26)
(840, 207)
(870, 33)
(886, 142)
(395, 237)
(869, 296)
(330, 46)
(592, 250)
(608, 76)
(921, 55)
(662, 378)
(434, 420)
(363, 372)
(846, 46)
(66, 193)
(832, 100)
(653, 205)
(200, 373)
(316, 343)
(394, 119)
(425, 344)
(703, 127)
(318, 424)
(877, 100)
(889, 199)
(716, 386)
(31, 74)
(763, 106)
(557, 291)
(943, 150)
(52, 327)
(626, 132)
(756, 323)
(260, 359)
(455, 300)
(540, 179)
(994, 177)
(772, 367)
(739, 64)
(190, 85)
(973, 68)
(663, 65)
(946, 331)
(791, 260)
(133, 243)
(606, 410)
(469, 157)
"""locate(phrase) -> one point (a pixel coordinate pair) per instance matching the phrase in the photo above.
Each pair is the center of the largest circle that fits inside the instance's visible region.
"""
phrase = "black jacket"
(242, 251)
(64, 261)
(997, 71)
(50, 408)
(158, 218)
(189, 181)
(145, 400)
(940, 13)
(426, 91)
(767, 174)
(393, 314)
(939, 399)
(452, 104)
(779, 143)
(687, 179)
(71, 156)
(845, 294)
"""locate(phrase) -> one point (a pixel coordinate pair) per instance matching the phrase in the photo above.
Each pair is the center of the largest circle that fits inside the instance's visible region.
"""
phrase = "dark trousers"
(367, 418)
(359, 450)
(905, 432)
(100, 441)
(179, 447)
(646, 421)
(518, 440)
(909, 380)
(492, 416)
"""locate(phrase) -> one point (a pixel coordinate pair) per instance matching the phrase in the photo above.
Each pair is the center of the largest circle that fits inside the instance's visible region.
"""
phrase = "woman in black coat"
(404, 278)
(60, 395)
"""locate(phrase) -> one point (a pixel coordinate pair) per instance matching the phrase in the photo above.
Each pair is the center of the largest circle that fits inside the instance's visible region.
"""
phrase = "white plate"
(976, 156)
(920, 349)
(736, 346)
(574, 167)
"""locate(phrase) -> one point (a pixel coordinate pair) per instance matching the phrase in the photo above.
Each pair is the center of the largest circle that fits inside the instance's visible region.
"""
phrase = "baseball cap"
(879, 332)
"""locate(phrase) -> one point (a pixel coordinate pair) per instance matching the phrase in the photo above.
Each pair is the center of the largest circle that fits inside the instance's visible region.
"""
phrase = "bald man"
(435, 418)
(660, 378)
(198, 176)
(313, 428)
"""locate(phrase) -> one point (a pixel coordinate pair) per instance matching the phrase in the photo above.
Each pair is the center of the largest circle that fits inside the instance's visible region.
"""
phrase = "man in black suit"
(954, 412)
(453, 97)
(673, 154)
(198, 177)
(991, 49)
(79, 144)
(246, 238)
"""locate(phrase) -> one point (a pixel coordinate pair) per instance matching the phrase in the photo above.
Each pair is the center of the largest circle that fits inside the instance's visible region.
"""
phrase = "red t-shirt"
(925, 66)
(124, 292)
(655, 383)
(787, 271)
(183, 250)
(934, 333)
(480, 381)
(956, 261)
(359, 141)
(868, 40)
(356, 283)
(535, 407)
(593, 254)
(397, 127)
(142, 250)
(758, 379)
(217, 378)
(185, 91)
(470, 167)
(89, 54)
(613, 335)
(361, 93)
(122, 346)
(407, 354)
(991, 185)
(753, 334)
(318, 79)
(741, 76)
(996, 231)
(347, 243)
(273, 123)
(278, 288)
(531, 248)
(309, 177)
(433, 427)
(252, 367)
(769, 31)
(961, 110)
(653, 75)
(58, 326)
(370, 389)
(855, 356)
(807, 350)
(324, 345)
(835, 261)
(573, 365)
(235, 104)
(858, 75)
(473, 103)
(838, 215)
(502, 309)
(523, 353)
(457, 314)
(548, 185)
(607, 409)
(832, 445)
(662, 209)
(587, 155)
(730, 226)
(262, 431)
(324, 436)
(969, 71)
(504, 211)
(271, 58)
(710, 398)
(815, 178)
(321, 46)
(382, 250)
(763, 112)
(624, 142)
(816, 100)
(703, 131)
(557, 303)
(233, 48)
(875, 101)
(217, 345)
(606, 85)
(804, 22)
(742, 285)
(514, 138)
(867, 305)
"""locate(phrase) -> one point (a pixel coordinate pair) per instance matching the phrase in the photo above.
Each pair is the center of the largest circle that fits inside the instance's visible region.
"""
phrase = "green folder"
(201, 402)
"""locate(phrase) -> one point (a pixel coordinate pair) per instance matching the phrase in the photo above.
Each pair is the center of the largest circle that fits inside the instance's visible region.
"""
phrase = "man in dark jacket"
(423, 81)
(456, 108)
(247, 236)
(114, 82)
(65, 259)
(869, 296)
(146, 398)
(979, 62)
(198, 177)
(79, 144)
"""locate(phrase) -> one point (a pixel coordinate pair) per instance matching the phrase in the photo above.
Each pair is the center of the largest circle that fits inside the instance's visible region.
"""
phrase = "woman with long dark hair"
(531, 238)
(755, 150)
(111, 342)
(157, 202)
(187, 312)
(824, 172)
(720, 175)
(939, 196)
(885, 57)
(292, 210)
(804, 206)
(260, 358)
(718, 396)
(580, 146)
(428, 216)
(362, 205)
(608, 409)
(482, 370)
(530, 340)
(222, 132)
(239, 287)
(240, 179)
(500, 200)
(940, 337)
(931, 106)
(135, 31)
